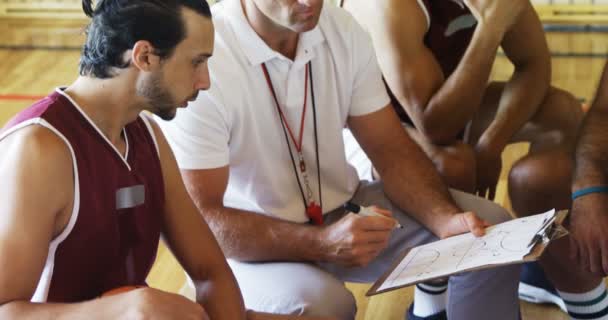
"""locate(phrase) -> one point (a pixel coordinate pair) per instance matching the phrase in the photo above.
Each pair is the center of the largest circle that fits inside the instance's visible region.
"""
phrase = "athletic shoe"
(437, 316)
(534, 286)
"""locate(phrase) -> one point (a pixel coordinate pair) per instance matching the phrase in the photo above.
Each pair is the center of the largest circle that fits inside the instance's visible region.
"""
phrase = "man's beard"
(160, 101)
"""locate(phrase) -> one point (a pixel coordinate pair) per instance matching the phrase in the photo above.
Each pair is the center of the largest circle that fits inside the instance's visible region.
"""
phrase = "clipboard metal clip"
(551, 229)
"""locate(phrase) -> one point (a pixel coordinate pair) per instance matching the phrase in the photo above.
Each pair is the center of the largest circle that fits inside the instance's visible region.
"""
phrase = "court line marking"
(20, 97)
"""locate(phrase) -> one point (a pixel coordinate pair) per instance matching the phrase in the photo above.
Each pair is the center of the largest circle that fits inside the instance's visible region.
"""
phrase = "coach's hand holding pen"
(368, 212)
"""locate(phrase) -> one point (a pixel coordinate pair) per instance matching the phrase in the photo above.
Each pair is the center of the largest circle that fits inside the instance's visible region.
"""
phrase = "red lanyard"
(296, 143)
(313, 210)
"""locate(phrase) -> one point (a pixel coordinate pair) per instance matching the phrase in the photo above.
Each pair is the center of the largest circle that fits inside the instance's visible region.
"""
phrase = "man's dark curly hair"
(117, 24)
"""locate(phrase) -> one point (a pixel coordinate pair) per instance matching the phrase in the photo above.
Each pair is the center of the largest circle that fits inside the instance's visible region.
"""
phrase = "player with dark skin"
(588, 220)
(525, 108)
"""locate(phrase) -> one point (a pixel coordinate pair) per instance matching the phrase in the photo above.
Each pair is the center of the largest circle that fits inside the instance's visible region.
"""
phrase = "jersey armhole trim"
(146, 121)
(426, 14)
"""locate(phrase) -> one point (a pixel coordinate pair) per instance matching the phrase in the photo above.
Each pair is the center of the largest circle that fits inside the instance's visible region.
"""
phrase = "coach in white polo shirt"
(263, 157)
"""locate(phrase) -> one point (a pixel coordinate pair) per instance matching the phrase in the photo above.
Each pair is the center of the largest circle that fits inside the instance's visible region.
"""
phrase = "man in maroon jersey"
(436, 57)
(89, 182)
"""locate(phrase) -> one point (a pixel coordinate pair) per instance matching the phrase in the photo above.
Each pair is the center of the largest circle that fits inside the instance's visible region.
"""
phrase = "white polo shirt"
(235, 123)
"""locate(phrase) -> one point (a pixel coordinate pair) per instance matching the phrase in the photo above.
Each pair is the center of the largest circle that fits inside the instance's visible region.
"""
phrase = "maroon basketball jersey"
(112, 236)
(450, 29)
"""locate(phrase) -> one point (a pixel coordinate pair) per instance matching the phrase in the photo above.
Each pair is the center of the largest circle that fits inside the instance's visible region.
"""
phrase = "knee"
(472, 294)
(456, 164)
(566, 110)
(333, 300)
(538, 183)
(541, 173)
(293, 289)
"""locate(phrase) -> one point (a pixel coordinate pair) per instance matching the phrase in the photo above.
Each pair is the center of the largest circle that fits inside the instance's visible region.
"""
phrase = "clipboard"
(549, 230)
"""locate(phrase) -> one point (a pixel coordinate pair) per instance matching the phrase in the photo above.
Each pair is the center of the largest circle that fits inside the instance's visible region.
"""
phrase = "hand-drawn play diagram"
(503, 243)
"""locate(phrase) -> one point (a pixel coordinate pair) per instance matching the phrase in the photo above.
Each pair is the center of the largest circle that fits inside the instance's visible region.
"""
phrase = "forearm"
(248, 236)
(412, 182)
(220, 296)
(592, 147)
(456, 101)
(592, 150)
(519, 102)
(105, 308)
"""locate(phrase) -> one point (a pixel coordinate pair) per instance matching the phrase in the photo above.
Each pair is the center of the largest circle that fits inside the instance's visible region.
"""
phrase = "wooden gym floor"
(37, 56)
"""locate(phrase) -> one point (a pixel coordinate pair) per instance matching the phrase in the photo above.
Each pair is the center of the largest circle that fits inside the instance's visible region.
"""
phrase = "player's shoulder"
(36, 146)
